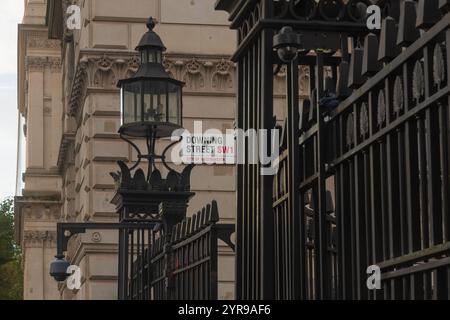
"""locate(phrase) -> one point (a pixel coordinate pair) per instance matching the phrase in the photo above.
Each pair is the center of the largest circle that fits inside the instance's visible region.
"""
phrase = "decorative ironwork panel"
(392, 184)
(181, 265)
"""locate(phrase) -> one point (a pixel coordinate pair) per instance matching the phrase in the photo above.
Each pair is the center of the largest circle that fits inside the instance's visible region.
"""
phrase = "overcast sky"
(10, 16)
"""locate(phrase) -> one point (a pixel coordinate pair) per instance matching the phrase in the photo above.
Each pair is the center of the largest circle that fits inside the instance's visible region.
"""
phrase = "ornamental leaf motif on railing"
(350, 137)
(381, 115)
(364, 120)
(398, 98)
(418, 81)
(438, 65)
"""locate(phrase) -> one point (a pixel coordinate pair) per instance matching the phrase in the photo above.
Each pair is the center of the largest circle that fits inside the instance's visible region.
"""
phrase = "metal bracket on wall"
(65, 231)
(224, 232)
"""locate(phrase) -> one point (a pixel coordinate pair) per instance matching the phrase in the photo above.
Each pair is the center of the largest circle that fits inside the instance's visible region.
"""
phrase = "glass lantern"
(151, 101)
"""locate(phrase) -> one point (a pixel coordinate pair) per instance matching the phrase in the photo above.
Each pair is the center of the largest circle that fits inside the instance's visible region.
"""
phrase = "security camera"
(58, 268)
(287, 43)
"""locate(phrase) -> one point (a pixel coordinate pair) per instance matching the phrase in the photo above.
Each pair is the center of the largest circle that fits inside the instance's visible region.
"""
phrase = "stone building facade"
(69, 99)
(70, 105)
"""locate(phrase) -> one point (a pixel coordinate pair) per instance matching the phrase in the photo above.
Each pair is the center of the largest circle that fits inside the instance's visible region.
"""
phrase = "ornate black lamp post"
(151, 108)
(149, 206)
(151, 104)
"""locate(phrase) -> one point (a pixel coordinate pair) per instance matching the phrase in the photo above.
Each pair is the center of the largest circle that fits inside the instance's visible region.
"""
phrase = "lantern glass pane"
(158, 57)
(155, 101)
(174, 103)
(151, 55)
(131, 103)
(144, 56)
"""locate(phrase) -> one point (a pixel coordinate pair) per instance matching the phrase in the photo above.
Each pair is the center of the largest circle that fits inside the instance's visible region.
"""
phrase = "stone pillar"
(56, 112)
(39, 248)
(38, 242)
(35, 113)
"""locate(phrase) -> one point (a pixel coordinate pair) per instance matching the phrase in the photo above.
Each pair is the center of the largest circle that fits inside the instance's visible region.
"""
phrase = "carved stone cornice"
(40, 42)
(35, 63)
(66, 143)
(38, 63)
(203, 74)
(102, 71)
(39, 239)
(98, 72)
(42, 213)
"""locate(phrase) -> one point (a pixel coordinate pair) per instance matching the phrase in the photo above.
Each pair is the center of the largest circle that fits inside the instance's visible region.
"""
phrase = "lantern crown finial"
(151, 23)
(150, 39)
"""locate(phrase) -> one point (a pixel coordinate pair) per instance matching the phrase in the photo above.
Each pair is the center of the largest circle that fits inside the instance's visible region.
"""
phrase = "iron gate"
(180, 265)
(364, 183)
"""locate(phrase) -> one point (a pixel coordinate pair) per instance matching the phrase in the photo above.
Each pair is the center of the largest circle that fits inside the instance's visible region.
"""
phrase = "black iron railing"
(364, 173)
(390, 159)
(418, 275)
(195, 259)
(183, 264)
(386, 156)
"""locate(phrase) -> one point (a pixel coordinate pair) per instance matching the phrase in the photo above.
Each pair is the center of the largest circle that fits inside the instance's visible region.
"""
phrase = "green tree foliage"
(11, 275)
